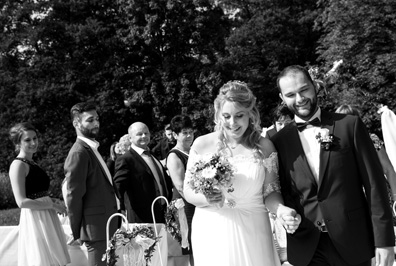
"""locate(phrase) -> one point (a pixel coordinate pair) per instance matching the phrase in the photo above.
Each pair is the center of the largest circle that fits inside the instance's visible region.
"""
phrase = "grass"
(9, 217)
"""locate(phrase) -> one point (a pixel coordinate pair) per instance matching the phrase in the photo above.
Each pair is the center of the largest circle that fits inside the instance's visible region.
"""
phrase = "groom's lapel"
(327, 122)
(297, 151)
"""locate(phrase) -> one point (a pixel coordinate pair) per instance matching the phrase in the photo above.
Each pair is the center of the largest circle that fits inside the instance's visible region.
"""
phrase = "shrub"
(10, 217)
(7, 200)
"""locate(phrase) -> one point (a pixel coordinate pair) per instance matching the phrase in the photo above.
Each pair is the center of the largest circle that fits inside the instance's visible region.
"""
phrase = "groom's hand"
(384, 256)
(289, 218)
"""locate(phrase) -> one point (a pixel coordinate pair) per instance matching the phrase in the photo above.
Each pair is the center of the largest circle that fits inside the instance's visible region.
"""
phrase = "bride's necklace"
(233, 146)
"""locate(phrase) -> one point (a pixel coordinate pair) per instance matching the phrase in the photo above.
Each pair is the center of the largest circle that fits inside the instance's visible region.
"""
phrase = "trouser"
(327, 255)
(96, 249)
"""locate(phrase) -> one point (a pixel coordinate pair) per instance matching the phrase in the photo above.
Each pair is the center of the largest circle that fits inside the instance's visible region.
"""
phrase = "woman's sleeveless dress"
(41, 240)
(239, 235)
(189, 209)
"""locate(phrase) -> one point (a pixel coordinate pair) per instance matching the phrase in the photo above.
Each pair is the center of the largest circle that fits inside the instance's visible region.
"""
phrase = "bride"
(238, 232)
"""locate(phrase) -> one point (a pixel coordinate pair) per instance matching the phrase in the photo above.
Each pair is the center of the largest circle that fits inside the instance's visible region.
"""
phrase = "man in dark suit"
(89, 193)
(164, 145)
(140, 178)
(334, 180)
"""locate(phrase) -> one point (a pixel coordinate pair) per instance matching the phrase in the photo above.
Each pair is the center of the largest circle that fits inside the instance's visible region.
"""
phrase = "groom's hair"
(292, 70)
(80, 108)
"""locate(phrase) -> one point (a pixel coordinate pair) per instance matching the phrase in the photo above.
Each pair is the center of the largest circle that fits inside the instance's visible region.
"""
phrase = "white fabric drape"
(388, 124)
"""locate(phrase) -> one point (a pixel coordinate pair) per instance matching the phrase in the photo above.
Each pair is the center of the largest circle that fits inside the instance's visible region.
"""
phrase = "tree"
(155, 55)
(363, 34)
(272, 35)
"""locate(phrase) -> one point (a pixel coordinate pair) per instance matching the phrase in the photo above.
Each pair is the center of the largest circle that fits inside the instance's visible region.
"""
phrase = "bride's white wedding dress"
(239, 235)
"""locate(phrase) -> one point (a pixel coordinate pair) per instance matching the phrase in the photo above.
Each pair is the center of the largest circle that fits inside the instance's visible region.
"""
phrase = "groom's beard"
(313, 106)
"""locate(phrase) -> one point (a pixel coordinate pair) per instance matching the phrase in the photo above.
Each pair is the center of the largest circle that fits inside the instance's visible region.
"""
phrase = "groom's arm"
(373, 179)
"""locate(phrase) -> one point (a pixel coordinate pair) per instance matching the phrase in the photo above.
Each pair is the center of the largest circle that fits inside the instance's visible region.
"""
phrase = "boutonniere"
(325, 138)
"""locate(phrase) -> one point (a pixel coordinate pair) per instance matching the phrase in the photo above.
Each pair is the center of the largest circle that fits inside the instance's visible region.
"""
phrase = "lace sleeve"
(272, 187)
(271, 163)
(271, 183)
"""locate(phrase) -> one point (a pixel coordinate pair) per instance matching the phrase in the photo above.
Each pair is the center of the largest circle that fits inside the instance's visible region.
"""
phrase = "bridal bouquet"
(211, 173)
(138, 246)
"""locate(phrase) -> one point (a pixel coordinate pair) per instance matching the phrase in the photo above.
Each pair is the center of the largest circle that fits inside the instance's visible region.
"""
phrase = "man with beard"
(88, 189)
(140, 177)
(331, 175)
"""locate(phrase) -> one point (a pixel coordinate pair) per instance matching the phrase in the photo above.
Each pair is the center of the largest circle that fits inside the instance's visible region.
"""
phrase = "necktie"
(315, 122)
(159, 173)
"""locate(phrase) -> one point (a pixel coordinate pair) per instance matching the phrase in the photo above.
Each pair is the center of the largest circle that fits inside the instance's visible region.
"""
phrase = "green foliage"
(363, 34)
(10, 217)
(148, 60)
(7, 199)
(274, 35)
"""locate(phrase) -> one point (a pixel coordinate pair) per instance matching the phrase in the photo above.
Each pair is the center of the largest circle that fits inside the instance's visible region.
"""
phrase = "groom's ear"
(280, 96)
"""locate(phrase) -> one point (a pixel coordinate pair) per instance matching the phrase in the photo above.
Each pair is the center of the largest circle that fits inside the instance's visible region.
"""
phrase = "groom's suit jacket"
(90, 197)
(350, 193)
(136, 188)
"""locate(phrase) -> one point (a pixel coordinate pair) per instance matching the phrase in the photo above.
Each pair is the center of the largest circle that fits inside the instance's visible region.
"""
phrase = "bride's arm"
(272, 190)
(197, 199)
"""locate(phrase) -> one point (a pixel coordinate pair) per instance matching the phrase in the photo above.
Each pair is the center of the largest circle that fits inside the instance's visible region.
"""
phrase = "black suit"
(137, 188)
(357, 220)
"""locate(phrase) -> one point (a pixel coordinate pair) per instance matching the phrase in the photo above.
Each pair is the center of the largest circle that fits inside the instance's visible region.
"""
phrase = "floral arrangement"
(325, 138)
(210, 173)
(139, 246)
(123, 145)
(176, 222)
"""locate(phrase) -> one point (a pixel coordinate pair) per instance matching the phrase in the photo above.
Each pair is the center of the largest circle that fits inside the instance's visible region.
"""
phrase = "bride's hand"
(216, 197)
(289, 218)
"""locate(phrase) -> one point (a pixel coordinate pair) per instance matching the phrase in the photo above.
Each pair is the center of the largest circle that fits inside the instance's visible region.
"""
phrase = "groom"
(337, 186)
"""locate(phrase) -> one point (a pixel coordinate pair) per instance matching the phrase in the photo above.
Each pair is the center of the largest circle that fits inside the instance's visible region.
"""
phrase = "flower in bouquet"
(211, 173)
(324, 138)
(176, 222)
(141, 237)
(123, 145)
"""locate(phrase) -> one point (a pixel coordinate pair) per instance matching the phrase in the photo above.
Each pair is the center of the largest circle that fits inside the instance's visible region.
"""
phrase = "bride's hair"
(239, 93)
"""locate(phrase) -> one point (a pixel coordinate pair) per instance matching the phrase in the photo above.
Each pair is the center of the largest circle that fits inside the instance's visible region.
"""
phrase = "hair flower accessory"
(325, 138)
(212, 173)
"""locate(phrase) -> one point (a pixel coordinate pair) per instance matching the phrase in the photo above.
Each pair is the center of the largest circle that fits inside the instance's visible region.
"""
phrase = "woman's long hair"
(238, 93)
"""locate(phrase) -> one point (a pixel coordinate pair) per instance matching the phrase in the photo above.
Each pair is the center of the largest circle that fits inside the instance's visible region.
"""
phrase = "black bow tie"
(302, 126)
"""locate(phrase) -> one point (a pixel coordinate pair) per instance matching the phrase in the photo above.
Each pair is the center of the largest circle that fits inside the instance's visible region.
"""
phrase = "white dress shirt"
(310, 144)
(94, 146)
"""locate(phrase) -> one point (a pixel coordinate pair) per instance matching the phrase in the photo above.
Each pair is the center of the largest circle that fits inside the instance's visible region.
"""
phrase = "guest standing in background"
(140, 177)
(325, 161)
(113, 156)
(164, 145)
(389, 171)
(281, 116)
(90, 196)
(176, 163)
(41, 239)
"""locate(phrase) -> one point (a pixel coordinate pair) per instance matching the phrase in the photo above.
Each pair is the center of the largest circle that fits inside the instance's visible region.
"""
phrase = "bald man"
(140, 177)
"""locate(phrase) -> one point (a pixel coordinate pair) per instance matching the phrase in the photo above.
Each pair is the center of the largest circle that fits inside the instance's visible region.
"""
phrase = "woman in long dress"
(176, 162)
(233, 228)
(41, 240)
